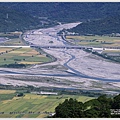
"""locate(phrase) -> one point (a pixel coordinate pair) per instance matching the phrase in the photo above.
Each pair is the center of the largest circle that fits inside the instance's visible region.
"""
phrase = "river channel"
(51, 33)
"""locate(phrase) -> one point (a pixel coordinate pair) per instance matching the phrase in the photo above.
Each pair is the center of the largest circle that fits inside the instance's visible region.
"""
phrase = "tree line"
(102, 107)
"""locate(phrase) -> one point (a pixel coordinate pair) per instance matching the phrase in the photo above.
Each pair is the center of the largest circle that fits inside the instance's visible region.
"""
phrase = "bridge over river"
(62, 47)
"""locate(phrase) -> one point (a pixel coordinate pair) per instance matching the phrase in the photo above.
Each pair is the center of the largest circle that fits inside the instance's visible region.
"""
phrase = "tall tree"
(69, 109)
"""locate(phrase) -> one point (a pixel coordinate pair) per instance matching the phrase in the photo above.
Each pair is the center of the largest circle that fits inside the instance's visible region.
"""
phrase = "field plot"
(32, 105)
(98, 41)
(7, 91)
(111, 51)
(13, 42)
(112, 54)
(21, 55)
(11, 39)
(5, 50)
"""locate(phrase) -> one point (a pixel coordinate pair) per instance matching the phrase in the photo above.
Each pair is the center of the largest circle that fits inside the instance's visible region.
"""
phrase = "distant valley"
(53, 54)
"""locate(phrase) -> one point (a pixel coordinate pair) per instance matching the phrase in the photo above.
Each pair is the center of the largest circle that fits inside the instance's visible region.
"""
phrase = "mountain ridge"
(11, 20)
(106, 25)
(67, 11)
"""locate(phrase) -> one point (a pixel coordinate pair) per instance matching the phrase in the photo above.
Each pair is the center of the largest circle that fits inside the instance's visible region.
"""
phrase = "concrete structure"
(45, 93)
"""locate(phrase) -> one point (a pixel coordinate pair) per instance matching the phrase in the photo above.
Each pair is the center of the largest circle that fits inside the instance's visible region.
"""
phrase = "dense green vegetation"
(6, 96)
(15, 20)
(22, 16)
(14, 66)
(106, 25)
(11, 20)
(67, 11)
(20, 95)
(95, 108)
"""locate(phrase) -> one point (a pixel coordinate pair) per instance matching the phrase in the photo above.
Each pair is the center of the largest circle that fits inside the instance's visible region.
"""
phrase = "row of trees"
(95, 108)
(14, 65)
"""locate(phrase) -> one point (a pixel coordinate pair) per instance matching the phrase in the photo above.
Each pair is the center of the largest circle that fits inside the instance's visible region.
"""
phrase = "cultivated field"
(11, 39)
(20, 55)
(112, 51)
(98, 41)
(13, 42)
(7, 91)
(30, 105)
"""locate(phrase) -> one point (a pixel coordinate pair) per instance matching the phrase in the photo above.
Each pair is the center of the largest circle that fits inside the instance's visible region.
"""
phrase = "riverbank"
(73, 68)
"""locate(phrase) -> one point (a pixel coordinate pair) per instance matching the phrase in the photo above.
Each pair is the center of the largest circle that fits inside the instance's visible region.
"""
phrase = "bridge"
(76, 47)
(62, 47)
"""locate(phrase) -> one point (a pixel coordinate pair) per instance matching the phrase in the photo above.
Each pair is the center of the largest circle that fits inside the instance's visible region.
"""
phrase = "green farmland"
(20, 55)
(31, 105)
(95, 41)
(13, 42)
(13, 39)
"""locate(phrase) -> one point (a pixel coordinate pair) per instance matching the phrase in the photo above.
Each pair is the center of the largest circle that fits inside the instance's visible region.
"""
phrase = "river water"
(51, 33)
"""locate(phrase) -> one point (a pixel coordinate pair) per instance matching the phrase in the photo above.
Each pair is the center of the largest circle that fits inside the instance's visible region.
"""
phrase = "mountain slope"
(11, 20)
(106, 25)
(26, 15)
(67, 11)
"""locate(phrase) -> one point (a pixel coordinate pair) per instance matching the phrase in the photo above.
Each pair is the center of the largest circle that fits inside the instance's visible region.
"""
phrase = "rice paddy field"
(33, 106)
(95, 41)
(21, 55)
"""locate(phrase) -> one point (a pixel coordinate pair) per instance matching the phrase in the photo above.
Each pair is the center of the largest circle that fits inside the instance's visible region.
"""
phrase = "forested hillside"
(27, 15)
(106, 25)
(67, 11)
(102, 107)
(10, 20)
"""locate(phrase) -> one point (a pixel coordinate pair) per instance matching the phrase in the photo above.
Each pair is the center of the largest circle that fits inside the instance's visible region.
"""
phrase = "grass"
(22, 56)
(30, 63)
(14, 39)
(101, 41)
(7, 91)
(13, 42)
(112, 51)
(6, 96)
(35, 103)
(4, 49)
